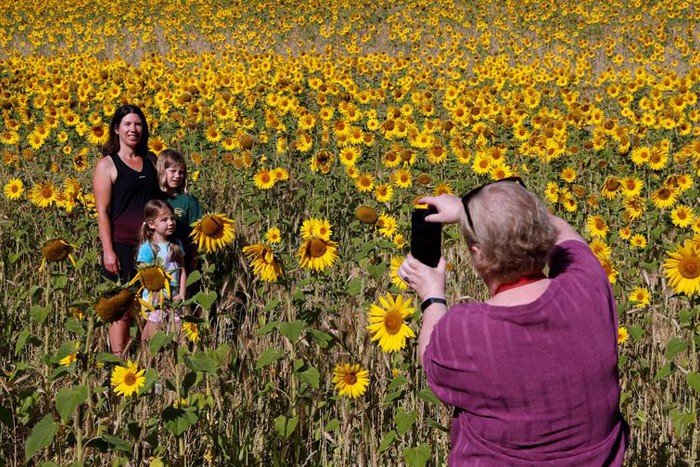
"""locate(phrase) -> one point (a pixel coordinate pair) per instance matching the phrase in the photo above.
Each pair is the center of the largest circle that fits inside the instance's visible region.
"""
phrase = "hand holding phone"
(426, 237)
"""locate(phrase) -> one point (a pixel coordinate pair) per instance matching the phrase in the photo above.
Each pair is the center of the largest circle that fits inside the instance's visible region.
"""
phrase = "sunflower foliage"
(310, 130)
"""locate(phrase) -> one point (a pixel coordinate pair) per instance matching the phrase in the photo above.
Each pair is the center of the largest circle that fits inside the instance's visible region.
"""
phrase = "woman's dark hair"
(111, 147)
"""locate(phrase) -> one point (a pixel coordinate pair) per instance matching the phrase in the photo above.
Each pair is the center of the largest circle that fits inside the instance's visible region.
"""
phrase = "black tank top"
(130, 192)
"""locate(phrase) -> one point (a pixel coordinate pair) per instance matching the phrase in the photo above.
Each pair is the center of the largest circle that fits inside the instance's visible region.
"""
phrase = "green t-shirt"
(187, 210)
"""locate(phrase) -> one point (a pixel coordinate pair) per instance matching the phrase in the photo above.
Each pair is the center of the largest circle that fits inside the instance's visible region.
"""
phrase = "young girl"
(159, 246)
(172, 177)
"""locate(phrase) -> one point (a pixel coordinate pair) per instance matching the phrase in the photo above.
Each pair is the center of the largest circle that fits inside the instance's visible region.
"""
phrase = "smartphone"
(426, 237)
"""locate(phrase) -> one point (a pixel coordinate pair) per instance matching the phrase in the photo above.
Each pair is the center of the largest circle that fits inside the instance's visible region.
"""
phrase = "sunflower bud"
(246, 141)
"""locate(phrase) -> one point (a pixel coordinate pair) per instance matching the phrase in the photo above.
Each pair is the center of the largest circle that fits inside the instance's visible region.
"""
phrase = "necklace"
(520, 281)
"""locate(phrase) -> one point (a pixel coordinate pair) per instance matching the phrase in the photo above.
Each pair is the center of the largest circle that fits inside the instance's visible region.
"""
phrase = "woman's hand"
(449, 207)
(424, 280)
(111, 262)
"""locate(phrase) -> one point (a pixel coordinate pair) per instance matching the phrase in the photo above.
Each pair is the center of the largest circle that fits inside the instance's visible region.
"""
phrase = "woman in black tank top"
(124, 180)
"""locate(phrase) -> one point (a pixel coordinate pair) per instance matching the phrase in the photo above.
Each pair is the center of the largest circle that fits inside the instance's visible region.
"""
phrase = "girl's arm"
(183, 285)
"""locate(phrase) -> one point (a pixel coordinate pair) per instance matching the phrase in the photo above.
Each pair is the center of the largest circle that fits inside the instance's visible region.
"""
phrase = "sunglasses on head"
(468, 197)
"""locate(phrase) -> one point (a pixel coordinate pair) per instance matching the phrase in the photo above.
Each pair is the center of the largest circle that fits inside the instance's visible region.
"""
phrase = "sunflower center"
(393, 322)
(612, 185)
(690, 267)
(317, 248)
(211, 226)
(664, 194)
(47, 192)
(130, 379)
(599, 224)
(350, 379)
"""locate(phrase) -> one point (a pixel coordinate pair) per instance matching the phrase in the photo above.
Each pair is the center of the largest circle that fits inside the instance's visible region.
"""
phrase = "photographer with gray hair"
(532, 371)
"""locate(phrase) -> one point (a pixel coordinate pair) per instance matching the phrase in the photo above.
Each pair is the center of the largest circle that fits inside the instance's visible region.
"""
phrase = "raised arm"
(564, 230)
(449, 207)
(102, 180)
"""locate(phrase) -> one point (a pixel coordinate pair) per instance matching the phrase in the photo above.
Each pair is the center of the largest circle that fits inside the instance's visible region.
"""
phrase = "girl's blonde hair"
(171, 158)
(152, 211)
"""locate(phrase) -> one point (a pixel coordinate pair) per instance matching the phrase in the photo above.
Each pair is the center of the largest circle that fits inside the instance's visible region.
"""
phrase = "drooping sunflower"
(317, 253)
(263, 261)
(682, 268)
(127, 380)
(155, 280)
(14, 189)
(350, 380)
(56, 250)
(366, 215)
(114, 304)
(387, 322)
(212, 232)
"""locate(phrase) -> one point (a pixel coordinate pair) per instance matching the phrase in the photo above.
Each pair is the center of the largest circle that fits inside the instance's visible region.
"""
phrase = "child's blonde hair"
(171, 158)
(152, 211)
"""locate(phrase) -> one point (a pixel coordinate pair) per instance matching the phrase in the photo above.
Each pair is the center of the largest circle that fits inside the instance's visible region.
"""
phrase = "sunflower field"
(310, 127)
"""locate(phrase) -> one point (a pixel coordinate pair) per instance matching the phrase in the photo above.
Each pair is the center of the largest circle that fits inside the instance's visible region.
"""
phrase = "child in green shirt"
(172, 177)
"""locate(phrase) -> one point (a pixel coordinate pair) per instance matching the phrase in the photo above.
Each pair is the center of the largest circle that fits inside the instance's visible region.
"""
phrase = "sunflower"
(640, 296)
(312, 228)
(212, 232)
(14, 189)
(386, 225)
(568, 174)
(114, 304)
(611, 188)
(682, 268)
(402, 178)
(664, 197)
(622, 335)
(383, 193)
(317, 253)
(600, 249)
(279, 174)
(155, 280)
(366, 215)
(43, 194)
(191, 331)
(396, 262)
(98, 134)
(638, 241)
(263, 179)
(364, 183)
(387, 322)
(597, 227)
(127, 380)
(55, 251)
(682, 216)
(273, 235)
(263, 261)
(350, 380)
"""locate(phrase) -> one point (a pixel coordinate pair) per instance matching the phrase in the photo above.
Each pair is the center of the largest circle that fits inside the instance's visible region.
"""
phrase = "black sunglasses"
(468, 197)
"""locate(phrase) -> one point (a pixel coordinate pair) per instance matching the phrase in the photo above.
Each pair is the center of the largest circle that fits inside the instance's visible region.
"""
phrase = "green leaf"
(41, 436)
(396, 383)
(292, 330)
(205, 300)
(404, 420)
(681, 420)
(269, 327)
(376, 270)
(21, 341)
(332, 425)
(268, 357)
(429, 396)
(158, 341)
(177, 421)
(434, 424)
(355, 286)
(324, 340)
(392, 396)
(271, 305)
(74, 326)
(417, 457)
(68, 348)
(386, 441)
(68, 400)
(310, 377)
(635, 331)
(108, 358)
(664, 371)
(674, 347)
(151, 376)
(200, 361)
(285, 426)
(118, 443)
(193, 277)
(59, 281)
(40, 313)
(693, 380)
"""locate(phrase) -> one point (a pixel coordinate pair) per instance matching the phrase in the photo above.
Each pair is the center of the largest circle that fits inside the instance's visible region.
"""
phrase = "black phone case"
(426, 237)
